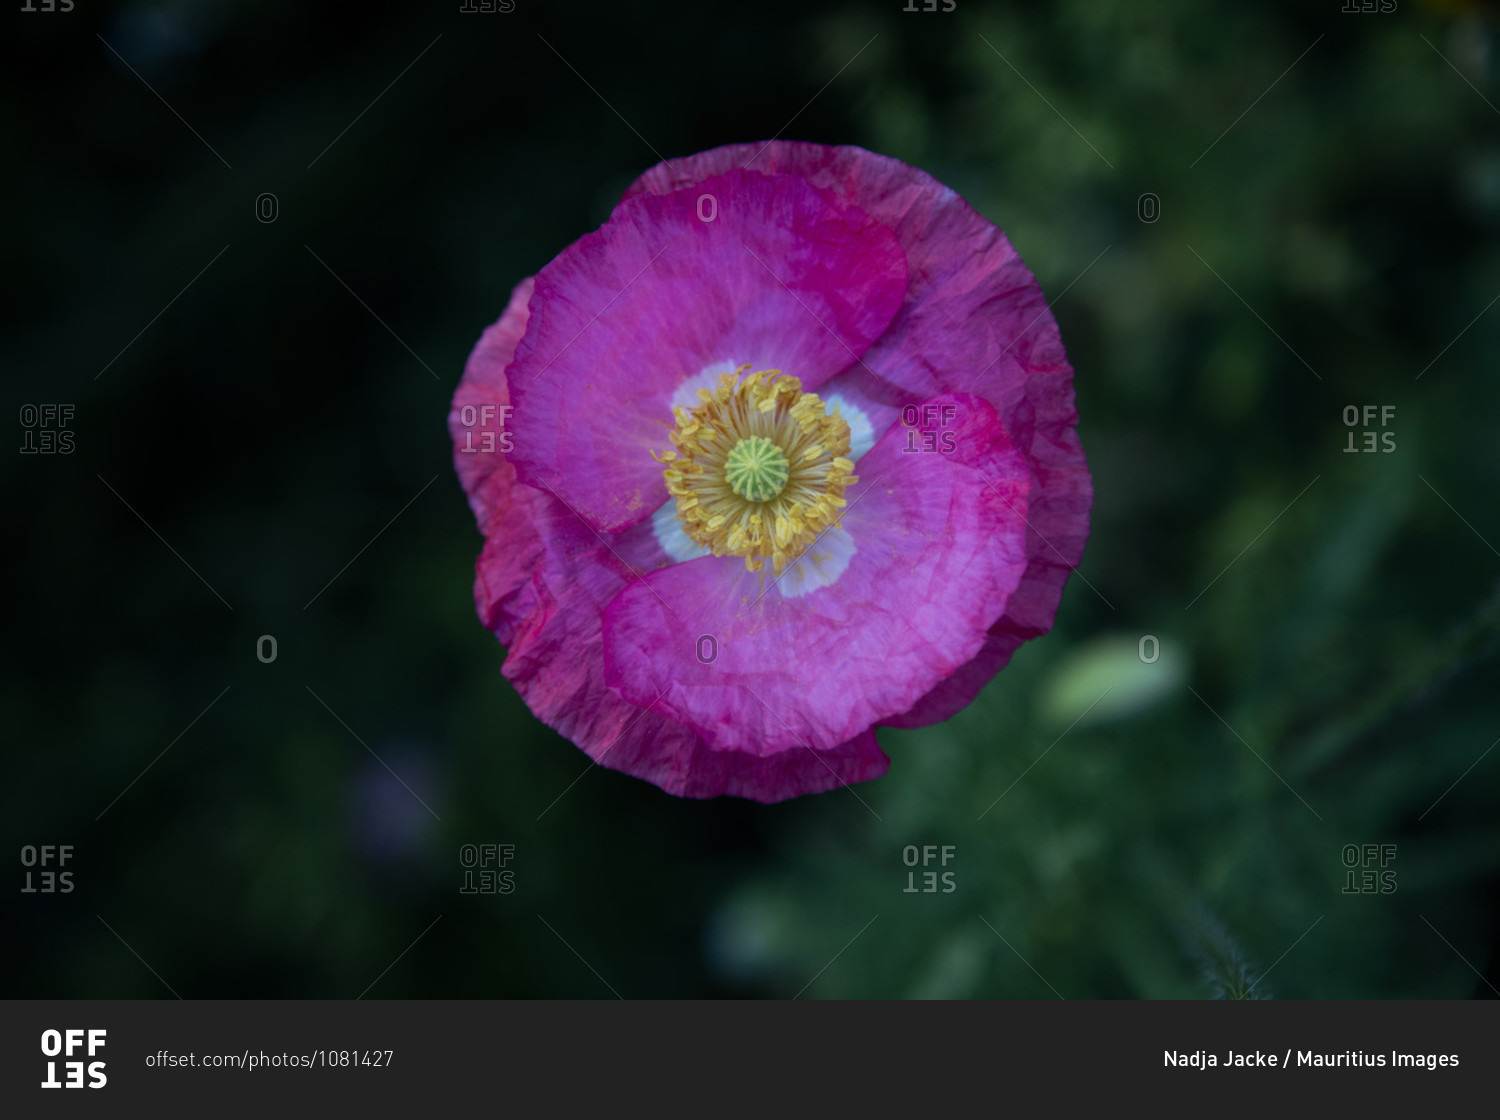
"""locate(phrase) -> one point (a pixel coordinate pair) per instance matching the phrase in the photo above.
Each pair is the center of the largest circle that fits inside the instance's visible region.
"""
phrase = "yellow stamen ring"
(759, 468)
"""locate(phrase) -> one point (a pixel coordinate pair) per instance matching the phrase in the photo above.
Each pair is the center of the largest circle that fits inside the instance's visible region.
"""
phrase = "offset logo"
(937, 419)
(45, 428)
(911, 856)
(46, 856)
(492, 860)
(490, 419)
(74, 1045)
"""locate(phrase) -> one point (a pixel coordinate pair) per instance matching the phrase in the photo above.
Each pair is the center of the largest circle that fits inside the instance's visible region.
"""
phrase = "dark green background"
(268, 426)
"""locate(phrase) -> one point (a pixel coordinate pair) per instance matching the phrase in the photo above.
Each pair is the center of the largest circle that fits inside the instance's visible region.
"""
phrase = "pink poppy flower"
(783, 452)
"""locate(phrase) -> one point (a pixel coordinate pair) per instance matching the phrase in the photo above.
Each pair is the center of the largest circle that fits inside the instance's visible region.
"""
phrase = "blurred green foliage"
(1324, 621)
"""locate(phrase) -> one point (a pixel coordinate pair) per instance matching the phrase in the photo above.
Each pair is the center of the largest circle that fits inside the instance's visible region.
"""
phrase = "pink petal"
(784, 276)
(476, 419)
(975, 320)
(522, 609)
(1060, 509)
(939, 541)
(477, 423)
(556, 663)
